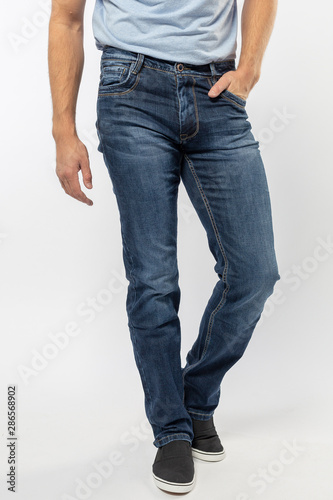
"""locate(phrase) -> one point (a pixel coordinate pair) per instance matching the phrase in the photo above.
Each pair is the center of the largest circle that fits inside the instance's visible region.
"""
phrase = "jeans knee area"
(262, 285)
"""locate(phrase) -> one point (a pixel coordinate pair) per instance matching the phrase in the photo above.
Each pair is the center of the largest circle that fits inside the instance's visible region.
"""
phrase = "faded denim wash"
(156, 126)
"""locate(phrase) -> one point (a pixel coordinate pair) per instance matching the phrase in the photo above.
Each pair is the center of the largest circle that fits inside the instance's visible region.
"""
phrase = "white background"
(85, 406)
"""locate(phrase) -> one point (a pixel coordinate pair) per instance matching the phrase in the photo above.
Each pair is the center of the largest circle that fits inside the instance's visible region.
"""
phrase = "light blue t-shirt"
(188, 31)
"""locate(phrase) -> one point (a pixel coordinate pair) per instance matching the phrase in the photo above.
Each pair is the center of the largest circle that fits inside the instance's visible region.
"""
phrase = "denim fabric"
(156, 126)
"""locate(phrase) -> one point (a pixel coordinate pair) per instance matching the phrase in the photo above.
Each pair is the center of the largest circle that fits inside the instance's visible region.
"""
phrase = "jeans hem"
(172, 437)
(200, 415)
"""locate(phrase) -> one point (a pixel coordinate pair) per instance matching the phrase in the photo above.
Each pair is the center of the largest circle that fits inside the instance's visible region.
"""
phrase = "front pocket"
(226, 94)
(117, 77)
(233, 98)
(114, 72)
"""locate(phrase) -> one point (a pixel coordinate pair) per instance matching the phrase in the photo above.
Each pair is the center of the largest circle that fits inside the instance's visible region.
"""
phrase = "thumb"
(219, 86)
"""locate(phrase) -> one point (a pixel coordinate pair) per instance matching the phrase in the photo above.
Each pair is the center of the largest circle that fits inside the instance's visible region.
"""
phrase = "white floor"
(278, 443)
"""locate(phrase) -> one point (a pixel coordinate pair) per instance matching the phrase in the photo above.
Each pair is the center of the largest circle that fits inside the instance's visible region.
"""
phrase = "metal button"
(180, 67)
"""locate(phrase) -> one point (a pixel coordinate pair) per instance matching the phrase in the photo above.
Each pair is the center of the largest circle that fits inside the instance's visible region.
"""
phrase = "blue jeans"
(157, 125)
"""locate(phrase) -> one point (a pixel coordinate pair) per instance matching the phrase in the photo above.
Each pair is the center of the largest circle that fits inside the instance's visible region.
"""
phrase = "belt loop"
(138, 63)
(213, 70)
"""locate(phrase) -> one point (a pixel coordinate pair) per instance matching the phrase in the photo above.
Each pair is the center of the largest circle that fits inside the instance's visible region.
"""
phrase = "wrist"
(61, 131)
(250, 69)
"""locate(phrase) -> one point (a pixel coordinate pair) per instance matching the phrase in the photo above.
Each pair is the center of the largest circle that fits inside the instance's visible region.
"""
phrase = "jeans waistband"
(139, 59)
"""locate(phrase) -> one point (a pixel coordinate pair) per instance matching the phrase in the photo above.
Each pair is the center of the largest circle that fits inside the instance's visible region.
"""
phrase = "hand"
(72, 156)
(238, 81)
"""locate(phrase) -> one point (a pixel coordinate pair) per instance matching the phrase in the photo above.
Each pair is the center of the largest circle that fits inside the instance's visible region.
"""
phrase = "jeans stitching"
(158, 69)
(104, 94)
(224, 275)
(130, 258)
(178, 103)
(196, 116)
(141, 365)
(104, 71)
(225, 97)
(118, 60)
(232, 101)
(138, 64)
(170, 435)
(197, 413)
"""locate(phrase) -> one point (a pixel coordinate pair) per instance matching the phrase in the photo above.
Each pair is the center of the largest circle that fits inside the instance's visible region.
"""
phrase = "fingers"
(73, 188)
(71, 185)
(72, 156)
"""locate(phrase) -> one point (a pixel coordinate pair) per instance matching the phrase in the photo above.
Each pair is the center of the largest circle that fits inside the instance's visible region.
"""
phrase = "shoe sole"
(208, 456)
(173, 487)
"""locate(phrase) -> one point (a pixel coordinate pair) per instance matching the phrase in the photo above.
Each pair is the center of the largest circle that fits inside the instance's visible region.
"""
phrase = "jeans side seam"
(224, 275)
(131, 326)
(145, 385)
(99, 135)
(130, 258)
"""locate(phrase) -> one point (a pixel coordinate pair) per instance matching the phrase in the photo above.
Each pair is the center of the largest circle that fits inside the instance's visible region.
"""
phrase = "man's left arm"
(257, 23)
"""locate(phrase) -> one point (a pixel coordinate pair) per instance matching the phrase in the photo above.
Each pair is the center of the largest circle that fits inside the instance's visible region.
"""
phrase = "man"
(170, 107)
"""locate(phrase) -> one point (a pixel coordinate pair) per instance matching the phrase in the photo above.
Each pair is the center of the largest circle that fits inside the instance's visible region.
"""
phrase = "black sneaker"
(206, 444)
(173, 468)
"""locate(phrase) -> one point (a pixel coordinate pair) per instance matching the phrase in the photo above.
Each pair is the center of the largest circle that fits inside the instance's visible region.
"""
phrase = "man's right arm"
(66, 59)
